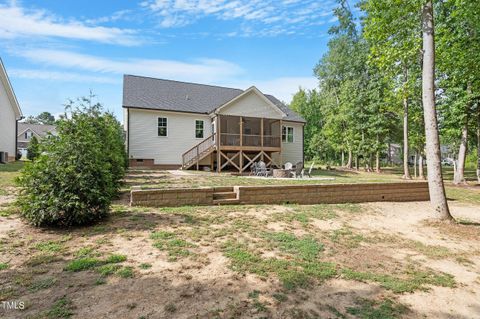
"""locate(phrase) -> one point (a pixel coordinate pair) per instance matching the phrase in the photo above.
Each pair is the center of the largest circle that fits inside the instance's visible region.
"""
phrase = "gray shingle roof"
(40, 129)
(159, 94)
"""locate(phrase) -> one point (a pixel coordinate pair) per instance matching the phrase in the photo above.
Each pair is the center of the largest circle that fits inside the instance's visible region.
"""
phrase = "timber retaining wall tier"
(293, 194)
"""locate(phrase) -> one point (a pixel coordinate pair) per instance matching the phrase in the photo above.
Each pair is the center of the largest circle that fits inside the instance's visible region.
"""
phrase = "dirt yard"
(379, 260)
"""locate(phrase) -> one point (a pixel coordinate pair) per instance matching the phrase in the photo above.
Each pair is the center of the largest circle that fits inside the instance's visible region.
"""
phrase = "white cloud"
(60, 76)
(104, 70)
(287, 16)
(282, 88)
(202, 70)
(18, 22)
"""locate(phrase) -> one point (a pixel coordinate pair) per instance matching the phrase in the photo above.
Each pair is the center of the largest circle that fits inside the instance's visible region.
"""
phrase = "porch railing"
(229, 139)
(198, 151)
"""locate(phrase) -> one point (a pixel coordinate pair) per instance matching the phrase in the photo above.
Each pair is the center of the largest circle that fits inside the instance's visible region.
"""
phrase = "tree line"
(370, 85)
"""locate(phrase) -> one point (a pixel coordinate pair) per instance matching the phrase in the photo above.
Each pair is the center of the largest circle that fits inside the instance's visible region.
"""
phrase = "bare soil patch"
(378, 260)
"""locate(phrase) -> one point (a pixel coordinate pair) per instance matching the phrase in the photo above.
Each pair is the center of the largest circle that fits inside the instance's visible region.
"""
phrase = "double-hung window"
(162, 126)
(199, 129)
(287, 134)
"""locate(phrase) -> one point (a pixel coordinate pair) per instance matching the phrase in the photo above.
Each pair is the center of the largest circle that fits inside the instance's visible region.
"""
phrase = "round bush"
(77, 172)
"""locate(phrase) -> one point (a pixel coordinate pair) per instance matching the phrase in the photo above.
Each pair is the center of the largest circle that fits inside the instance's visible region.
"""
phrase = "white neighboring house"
(172, 124)
(10, 113)
(26, 131)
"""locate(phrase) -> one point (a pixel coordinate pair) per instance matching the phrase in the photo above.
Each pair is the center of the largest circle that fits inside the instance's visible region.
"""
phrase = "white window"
(199, 129)
(287, 134)
(28, 135)
(162, 126)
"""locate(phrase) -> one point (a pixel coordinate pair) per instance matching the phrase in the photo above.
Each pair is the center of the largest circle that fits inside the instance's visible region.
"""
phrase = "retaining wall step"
(224, 195)
(233, 201)
(223, 189)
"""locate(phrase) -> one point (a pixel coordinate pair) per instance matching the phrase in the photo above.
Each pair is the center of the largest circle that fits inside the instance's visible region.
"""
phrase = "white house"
(26, 131)
(172, 124)
(10, 113)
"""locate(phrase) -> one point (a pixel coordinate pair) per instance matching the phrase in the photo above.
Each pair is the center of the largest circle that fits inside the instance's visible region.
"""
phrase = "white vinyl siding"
(287, 134)
(144, 140)
(251, 105)
(7, 118)
(292, 152)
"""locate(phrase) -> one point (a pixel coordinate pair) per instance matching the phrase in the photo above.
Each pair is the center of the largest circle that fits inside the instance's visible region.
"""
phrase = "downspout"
(128, 135)
(16, 135)
(303, 143)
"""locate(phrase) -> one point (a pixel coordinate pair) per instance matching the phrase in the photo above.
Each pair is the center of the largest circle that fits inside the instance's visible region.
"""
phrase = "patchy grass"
(463, 194)
(41, 259)
(8, 211)
(86, 263)
(145, 266)
(82, 264)
(12, 167)
(371, 309)
(62, 308)
(43, 283)
(412, 280)
(49, 246)
(125, 272)
(292, 273)
(4, 266)
(107, 270)
(306, 248)
(175, 247)
(346, 237)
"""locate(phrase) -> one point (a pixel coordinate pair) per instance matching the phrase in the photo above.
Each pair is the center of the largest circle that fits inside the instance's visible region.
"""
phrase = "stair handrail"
(198, 149)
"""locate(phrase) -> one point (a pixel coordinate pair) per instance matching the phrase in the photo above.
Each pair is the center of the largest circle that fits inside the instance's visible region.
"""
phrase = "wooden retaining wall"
(277, 194)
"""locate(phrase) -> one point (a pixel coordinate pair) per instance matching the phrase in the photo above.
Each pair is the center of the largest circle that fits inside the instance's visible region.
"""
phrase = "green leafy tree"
(46, 118)
(392, 29)
(33, 149)
(79, 173)
(458, 51)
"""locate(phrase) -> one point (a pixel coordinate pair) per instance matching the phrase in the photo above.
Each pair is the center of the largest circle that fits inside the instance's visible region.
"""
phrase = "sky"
(59, 50)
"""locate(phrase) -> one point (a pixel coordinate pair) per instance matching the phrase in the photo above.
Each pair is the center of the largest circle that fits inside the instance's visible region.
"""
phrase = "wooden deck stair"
(225, 196)
(194, 155)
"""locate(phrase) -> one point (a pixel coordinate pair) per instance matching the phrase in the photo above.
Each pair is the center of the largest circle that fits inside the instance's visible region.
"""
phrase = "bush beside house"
(78, 172)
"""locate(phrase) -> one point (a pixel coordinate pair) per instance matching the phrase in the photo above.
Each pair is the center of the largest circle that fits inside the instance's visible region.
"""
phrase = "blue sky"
(54, 50)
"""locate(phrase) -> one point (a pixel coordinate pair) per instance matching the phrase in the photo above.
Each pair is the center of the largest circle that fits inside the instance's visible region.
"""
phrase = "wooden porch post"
(219, 157)
(261, 132)
(197, 158)
(281, 145)
(241, 144)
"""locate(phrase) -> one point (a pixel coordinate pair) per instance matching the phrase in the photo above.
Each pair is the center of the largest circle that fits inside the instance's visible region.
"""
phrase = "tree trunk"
(377, 162)
(478, 142)
(435, 177)
(349, 161)
(389, 154)
(343, 158)
(415, 165)
(406, 173)
(420, 166)
(356, 162)
(458, 176)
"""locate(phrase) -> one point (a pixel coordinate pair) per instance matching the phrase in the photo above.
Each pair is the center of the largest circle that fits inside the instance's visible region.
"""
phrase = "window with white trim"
(162, 126)
(287, 134)
(199, 128)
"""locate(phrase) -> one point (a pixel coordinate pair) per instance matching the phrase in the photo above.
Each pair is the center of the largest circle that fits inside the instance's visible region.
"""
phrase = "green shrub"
(33, 149)
(78, 173)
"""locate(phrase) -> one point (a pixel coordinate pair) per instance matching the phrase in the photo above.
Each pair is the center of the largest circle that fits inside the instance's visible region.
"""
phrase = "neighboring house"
(26, 131)
(173, 124)
(10, 113)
